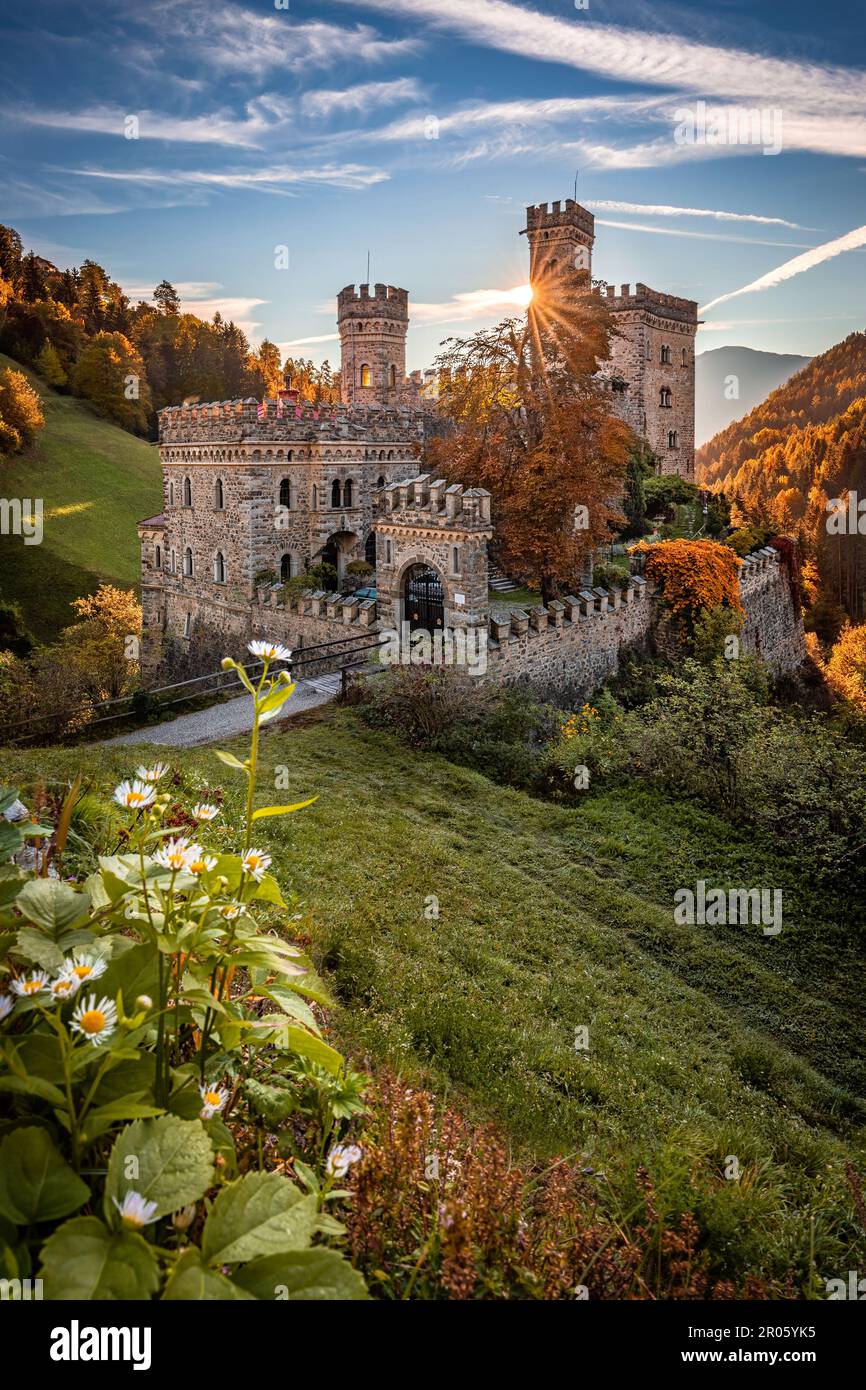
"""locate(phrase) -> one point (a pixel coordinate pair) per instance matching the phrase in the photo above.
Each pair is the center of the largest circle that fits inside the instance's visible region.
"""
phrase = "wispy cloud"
(199, 297)
(364, 97)
(816, 256)
(665, 210)
(473, 304)
(276, 179)
(213, 128)
(699, 236)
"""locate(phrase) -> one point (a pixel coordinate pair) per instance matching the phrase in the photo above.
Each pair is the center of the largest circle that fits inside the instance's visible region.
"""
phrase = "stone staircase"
(499, 582)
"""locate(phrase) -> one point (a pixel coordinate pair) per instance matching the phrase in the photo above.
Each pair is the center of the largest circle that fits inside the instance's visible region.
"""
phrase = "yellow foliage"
(693, 575)
(846, 669)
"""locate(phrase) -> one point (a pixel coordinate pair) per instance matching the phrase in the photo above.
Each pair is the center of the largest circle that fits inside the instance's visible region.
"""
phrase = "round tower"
(372, 343)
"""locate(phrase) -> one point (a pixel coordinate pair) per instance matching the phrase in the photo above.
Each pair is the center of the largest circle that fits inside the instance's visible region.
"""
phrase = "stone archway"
(423, 598)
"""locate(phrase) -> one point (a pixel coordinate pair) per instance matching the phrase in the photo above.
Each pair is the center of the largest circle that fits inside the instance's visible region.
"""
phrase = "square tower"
(560, 241)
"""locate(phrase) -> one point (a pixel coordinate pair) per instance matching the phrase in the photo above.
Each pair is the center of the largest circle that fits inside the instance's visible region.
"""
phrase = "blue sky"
(418, 130)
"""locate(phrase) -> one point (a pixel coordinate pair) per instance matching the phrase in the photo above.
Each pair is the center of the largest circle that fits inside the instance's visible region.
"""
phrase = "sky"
(255, 153)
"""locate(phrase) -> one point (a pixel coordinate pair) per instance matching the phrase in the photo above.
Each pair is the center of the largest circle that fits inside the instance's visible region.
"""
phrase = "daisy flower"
(135, 1210)
(28, 985)
(93, 1021)
(255, 862)
(134, 796)
(64, 987)
(341, 1158)
(176, 854)
(213, 1098)
(201, 861)
(6, 1006)
(231, 911)
(205, 811)
(152, 774)
(85, 966)
(269, 651)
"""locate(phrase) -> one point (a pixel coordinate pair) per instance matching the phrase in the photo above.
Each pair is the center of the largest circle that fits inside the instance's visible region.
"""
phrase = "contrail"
(849, 242)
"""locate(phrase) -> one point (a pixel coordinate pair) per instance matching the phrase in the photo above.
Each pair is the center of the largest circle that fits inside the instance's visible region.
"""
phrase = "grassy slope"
(96, 482)
(704, 1042)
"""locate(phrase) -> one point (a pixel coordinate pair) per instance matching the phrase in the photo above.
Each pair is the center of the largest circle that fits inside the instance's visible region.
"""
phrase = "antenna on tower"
(368, 267)
(576, 172)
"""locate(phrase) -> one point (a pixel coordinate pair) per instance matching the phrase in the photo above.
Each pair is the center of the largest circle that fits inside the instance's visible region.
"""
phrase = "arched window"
(673, 439)
(187, 562)
(666, 355)
(285, 493)
(219, 568)
(158, 562)
(392, 376)
(455, 559)
(335, 493)
(347, 493)
(315, 498)
(285, 568)
(381, 482)
(219, 495)
(390, 455)
(665, 398)
(381, 455)
(685, 357)
(173, 564)
(187, 492)
(187, 625)
(171, 494)
(366, 377)
(370, 549)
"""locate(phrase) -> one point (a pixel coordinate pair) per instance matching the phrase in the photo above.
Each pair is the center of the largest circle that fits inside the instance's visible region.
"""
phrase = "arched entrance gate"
(423, 599)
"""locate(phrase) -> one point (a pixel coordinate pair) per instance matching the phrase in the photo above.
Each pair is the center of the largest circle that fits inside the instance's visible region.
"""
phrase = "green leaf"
(52, 904)
(11, 839)
(36, 947)
(104, 1117)
(195, 1283)
(268, 891)
(260, 1214)
(314, 1049)
(303, 1276)
(83, 1259)
(33, 1086)
(230, 760)
(36, 1182)
(276, 698)
(264, 811)
(291, 1004)
(134, 972)
(168, 1161)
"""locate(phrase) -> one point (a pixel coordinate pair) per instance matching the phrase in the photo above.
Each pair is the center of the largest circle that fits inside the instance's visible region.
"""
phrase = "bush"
(21, 416)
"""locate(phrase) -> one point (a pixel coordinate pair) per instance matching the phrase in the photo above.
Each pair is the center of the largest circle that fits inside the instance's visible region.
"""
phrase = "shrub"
(21, 416)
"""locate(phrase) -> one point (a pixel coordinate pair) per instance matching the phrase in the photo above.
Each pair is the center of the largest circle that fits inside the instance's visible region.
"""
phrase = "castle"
(255, 494)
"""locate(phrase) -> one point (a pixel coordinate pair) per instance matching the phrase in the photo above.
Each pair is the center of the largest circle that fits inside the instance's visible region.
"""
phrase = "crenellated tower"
(373, 331)
(560, 241)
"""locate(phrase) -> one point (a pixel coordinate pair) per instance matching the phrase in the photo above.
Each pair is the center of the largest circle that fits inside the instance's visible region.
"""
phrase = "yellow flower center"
(93, 1021)
(82, 971)
(135, 798)
(211, 1098)
(32, 986)
(253, 861)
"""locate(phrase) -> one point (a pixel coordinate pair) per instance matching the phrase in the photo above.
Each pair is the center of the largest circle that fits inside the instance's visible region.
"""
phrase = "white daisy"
(93, 1021)
(231, 911)
(85, 966)
(134, 796)
(200, 861)
(65, 986)
(341, 1158)
(152, 774)
(269, 651)
(6, 1006)
(205, 811)
(176, 854)
(135, 1210)
(28, 985)
(255, 862)
(213, 1098)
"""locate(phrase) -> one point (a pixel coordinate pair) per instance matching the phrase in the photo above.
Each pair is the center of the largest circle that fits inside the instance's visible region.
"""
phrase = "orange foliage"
(693, 575)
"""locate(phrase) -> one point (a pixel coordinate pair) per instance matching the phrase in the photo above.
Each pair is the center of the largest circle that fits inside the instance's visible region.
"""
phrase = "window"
(187, 562)
(187, 492)
(366, 378)
(347, 493)
(665, 398)
(666, 355)
(455, 559)
(218, 495)
(187, 625)
(381, 481)
(219, 568)
(685, 357)
(285, 568)
(171, 494)
(392, 376)
(673, 439)
(315, 498)
(174, 562)
(370, 549)
(335, 493)
(158, 560)
(387, 550)
(285, 493)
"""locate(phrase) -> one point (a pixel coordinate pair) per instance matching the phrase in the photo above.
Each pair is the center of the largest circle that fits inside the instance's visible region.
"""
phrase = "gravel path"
(226, 720)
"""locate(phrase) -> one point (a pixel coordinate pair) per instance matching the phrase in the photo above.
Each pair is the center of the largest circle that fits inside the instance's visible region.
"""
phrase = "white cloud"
(216, 128)
(816, 256)
(665, 210)
(199, 297)
(472, 304)
(700, 236)
(308, 342)
(279, 180)
(363, 97)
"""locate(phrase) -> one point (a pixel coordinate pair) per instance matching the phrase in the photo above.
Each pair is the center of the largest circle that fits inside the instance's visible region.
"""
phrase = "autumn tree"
(49, 366)
(268, 362)
(110, 374)
(166, 298)
(102, 647)
(532, 422)
(21, 416)
(846, 669)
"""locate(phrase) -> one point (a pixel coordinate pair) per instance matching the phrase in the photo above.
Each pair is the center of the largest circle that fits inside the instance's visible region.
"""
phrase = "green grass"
(704, 1042)
(518, 598)
(96, 481)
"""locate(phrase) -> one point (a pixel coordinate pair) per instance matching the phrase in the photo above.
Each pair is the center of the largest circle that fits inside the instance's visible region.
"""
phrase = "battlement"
(387, 299)
(342, 609)
(590, 604)
(760, 564)
(285, 421)
(547, 215)
(419, 502)
(668, 306)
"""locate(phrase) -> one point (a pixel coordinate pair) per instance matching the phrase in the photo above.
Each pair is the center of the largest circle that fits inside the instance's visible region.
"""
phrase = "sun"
(522, 295)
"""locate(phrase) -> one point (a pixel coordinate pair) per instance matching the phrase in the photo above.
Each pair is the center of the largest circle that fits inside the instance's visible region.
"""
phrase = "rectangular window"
(158, 558)
(187, 625)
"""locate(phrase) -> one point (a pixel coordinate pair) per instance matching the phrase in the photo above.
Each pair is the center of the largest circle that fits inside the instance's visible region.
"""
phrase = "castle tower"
(560, 241)
(373, 344)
